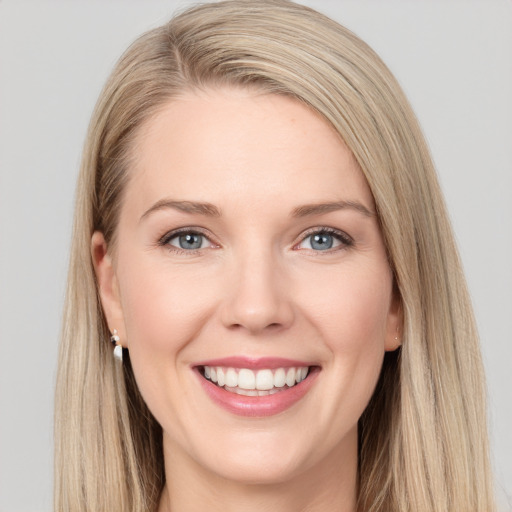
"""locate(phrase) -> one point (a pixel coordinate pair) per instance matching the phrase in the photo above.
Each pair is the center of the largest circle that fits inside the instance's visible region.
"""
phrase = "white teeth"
(248, 392)
(245, 392)
(253, 383)
(290, 377)
(264, 380)
(246, 379)
(279, 378)
(231, 378)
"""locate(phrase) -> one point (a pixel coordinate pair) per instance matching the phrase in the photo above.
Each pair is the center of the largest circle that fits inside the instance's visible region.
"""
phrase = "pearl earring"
(118, 349)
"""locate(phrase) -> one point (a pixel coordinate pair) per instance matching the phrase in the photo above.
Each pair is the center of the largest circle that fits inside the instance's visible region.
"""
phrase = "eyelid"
(345, 239)
(163, 241)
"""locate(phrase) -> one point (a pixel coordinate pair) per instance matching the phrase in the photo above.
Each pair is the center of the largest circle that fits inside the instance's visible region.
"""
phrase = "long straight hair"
(422, 439)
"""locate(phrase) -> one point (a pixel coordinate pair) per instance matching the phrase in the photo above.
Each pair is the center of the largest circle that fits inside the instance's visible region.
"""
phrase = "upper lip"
(254, 363)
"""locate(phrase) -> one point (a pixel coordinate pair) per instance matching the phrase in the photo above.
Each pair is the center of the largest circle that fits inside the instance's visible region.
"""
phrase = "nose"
(259, 298)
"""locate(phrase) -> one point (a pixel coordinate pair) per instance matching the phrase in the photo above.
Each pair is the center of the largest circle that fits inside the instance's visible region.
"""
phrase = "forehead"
(234, 143)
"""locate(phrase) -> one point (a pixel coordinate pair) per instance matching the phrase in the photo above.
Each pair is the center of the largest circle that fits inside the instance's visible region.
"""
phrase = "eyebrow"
(322, 208)
(211, 210)
(193, 207)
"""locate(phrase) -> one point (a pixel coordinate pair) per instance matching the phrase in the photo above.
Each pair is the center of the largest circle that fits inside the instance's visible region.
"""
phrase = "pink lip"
(257, 406)
(254, 363)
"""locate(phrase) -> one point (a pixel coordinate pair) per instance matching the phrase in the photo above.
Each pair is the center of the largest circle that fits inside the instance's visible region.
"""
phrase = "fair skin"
(258, 270)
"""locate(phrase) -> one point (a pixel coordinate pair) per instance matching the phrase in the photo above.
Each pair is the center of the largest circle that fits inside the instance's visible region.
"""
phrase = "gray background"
(454, 60)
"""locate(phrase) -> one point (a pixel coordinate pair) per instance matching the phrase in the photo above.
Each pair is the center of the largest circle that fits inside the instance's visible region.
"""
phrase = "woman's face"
(248, 250)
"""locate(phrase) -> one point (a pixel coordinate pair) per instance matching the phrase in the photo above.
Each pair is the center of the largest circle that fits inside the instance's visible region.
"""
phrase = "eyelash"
(164, 240)
(345, 240)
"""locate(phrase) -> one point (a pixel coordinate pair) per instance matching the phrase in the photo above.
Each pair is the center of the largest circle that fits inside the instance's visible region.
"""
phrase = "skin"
(256, 287)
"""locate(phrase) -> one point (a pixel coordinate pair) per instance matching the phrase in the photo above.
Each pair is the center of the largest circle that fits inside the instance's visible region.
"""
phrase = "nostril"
(257, 309)
(256, 326)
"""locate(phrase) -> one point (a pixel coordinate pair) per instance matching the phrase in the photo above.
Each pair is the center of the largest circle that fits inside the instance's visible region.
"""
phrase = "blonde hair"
(423, 440)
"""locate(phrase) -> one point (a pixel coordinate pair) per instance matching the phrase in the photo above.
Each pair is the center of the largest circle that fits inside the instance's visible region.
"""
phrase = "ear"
(108, 285)
(394, 332)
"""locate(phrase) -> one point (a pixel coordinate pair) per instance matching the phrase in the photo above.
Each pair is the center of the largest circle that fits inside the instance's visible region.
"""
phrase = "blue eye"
(188, 241)
(324, 240)
(321, 241)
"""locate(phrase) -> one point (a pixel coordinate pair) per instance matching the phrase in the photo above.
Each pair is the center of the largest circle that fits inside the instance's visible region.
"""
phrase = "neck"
(329, 484)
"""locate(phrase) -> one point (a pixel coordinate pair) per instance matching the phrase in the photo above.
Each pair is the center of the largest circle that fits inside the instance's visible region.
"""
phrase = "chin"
(259, 472)
(258, 457)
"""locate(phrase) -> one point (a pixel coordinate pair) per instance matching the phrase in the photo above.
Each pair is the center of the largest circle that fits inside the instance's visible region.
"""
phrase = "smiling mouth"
(263, 382)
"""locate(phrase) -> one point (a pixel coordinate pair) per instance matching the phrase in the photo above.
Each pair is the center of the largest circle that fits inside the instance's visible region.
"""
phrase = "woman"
(259, 227)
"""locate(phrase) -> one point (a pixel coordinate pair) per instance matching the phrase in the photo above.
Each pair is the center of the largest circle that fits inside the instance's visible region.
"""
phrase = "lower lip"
(267, 405)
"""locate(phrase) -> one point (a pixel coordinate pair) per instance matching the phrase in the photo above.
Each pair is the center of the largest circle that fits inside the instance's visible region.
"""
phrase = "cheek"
(163, 311)
(351, 313)
(161, 308)
(351, 307)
